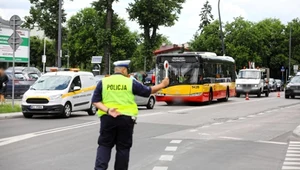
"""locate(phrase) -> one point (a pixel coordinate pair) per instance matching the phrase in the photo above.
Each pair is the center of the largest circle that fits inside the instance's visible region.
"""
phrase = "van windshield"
(51, 83)
(249, 74)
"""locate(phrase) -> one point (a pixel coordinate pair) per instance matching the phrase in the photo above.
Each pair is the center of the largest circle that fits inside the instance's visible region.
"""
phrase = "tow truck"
(253, 81)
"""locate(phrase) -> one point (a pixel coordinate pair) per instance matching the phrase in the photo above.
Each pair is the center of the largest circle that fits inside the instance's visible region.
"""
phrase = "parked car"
(30, 73)
(272, 84)
(293, 88)
(99, 77)
(279, 85)
(149, 102)
(24, 78)
(21, 84)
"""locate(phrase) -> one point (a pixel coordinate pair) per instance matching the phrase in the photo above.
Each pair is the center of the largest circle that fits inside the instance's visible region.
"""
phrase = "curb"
(11, 115)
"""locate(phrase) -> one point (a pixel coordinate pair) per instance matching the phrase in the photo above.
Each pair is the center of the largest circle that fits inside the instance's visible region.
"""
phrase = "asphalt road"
(235, 135)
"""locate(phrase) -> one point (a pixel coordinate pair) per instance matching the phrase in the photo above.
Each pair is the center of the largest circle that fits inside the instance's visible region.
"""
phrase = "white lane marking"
(291, 163)
(203, 107)
(160, 168)
(289, 151)
(13, 139)
(193, 130)
(204, 126)
(290, 167)
(261, 113)
(242, 118)
(294, 142)
(293, 148)
(292, 159)
(230, 121)
(291, 145)
(166, 158)
(271, 142)
(251, 116)
(204, 134)
(218, 123)
(176, 141)
(232, 138)
(293, 155)
(171, 148)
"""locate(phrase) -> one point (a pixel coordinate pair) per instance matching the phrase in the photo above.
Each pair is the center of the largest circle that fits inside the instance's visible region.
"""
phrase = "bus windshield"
(51, 83)
(247, 74)
(179, 73)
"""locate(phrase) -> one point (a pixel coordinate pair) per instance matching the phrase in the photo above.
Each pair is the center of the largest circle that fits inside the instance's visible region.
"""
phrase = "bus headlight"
(255, 85)
(238, 85)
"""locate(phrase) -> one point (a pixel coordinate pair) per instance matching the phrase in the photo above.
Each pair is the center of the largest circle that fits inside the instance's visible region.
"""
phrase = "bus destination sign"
(177, 59)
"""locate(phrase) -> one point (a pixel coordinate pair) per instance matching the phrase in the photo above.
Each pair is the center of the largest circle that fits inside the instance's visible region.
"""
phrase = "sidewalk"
(10, 115)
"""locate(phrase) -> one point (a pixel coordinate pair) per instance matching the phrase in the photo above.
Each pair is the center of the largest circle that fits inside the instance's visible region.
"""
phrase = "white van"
(60, 93)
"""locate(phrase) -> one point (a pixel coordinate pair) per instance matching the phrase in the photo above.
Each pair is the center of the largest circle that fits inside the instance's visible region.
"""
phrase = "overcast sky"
(188, 22)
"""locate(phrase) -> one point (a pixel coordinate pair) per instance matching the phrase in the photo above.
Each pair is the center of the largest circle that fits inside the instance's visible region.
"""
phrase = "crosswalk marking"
(166, 158)
(176, 141)
(171, 148)
(160, 168)
(292, 158)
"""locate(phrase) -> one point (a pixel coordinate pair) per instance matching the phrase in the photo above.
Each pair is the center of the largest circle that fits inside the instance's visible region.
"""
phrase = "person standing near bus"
(114, 97)
(3, 84)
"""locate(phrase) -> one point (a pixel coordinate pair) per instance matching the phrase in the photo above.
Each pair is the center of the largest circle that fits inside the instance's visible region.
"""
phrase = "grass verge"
(7, 108)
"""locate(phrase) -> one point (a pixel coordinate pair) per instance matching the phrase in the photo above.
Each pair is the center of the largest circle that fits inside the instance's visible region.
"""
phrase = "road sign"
(96, 67)
(15, 41)
(296, 67)
(44, 59)
(15, 22)
(282, 69)
(166, 66)
(96, 59)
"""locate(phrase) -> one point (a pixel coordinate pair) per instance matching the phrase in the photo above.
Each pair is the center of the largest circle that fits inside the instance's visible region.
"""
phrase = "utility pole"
(290, 49)
(221, 30)
(59, 35)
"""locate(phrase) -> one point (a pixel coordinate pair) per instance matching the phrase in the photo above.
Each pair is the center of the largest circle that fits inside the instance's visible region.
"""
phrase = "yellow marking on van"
(91, 88)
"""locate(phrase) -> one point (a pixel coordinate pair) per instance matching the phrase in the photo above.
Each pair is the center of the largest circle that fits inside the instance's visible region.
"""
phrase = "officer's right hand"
(114, 113)
(165, 82)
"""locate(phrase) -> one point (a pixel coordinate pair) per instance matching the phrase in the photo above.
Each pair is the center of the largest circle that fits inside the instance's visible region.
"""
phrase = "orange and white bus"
(196, 77)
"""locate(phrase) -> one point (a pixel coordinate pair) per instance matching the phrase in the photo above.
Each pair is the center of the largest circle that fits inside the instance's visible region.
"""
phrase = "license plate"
(36, 107)
(297, 91)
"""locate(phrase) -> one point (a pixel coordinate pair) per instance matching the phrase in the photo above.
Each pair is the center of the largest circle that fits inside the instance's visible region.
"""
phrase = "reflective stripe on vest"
(117, 93)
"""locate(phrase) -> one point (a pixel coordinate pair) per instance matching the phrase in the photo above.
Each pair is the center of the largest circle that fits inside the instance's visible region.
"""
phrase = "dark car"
(24, 78)
(272, 84)
(21, 84)
(279, 85)
(30, 73)
(293, 88)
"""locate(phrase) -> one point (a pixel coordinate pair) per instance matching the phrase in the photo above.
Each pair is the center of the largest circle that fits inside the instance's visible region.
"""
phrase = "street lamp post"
(290, 49)
(59, 36)
(221, 30)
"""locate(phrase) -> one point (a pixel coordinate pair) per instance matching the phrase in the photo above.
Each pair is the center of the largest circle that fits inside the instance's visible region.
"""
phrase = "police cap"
(122, 63)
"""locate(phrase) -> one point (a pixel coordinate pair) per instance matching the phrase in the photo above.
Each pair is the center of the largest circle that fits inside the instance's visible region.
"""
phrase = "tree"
(206, 16)
(150, 15)
(37, 50)
(101, 5)
(44, 14)
(208, 40)
(87, 36)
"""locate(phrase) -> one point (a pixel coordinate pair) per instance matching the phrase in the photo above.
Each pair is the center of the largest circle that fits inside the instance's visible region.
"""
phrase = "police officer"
(114, 98)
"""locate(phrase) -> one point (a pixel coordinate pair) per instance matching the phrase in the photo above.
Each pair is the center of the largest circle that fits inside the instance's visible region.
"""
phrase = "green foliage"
(87, 37)
(7, 108)
(45, 14)
(206, 16)
(266, 43)
(150, 15)
(37, 50)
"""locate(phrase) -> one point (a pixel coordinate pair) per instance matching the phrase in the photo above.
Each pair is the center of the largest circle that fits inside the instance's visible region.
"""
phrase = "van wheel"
(151, 103)
(27, 115)
(92, 111)
(67, 110)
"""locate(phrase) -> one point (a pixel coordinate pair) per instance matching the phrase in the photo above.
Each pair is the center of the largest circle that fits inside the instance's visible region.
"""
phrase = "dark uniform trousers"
(114, 131)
